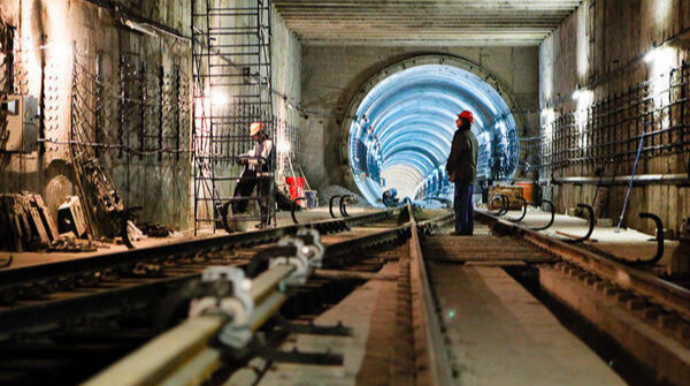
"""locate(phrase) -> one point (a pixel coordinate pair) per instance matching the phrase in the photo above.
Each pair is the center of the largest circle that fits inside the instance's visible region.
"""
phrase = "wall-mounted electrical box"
(18, 124)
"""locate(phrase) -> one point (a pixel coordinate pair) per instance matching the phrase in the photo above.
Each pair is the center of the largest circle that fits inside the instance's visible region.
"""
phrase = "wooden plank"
(37, 226)
(47, 218)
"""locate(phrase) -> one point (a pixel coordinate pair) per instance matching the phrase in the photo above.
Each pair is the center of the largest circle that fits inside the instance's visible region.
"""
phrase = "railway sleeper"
(656, 337)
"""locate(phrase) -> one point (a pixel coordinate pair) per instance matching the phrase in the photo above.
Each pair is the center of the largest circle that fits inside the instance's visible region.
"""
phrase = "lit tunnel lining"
(412, 115)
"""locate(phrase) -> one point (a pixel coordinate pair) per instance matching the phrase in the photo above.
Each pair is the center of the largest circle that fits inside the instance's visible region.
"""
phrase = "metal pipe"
(343, 203)
(154, 362)
(648, 179)
(266, 310)
(330, 205)
(659, 241)
(193, 372)
(592, 222)
(268, 281)
(553, 216)
(524, 211)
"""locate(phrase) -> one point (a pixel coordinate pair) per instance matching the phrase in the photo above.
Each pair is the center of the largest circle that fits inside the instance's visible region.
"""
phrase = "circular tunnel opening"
(402, 130)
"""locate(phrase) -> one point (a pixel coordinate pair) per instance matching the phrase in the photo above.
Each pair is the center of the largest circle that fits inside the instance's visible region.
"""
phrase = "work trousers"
(264, 198)
(464, 209)
(244, 188)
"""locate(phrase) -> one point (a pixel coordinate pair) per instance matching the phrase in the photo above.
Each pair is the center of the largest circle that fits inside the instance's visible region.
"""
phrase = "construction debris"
(512, 192)
(154, 230)
(71, 217)
(68, 242)
(135, 234)
(25, 223)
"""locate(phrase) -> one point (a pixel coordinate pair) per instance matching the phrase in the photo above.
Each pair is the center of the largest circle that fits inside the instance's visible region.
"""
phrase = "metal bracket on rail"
(524, 211)
(295, 203)
(553, 216)
(659, 242)
(343, 203)
(228, 290)
(308, 256)
(330, 205)
(592, 222)
(232, 299)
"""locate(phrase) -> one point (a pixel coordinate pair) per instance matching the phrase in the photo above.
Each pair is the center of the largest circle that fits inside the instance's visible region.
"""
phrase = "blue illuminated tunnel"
(405, 139)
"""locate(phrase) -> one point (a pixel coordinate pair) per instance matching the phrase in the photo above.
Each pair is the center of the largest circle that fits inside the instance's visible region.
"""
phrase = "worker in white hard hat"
(259, 163)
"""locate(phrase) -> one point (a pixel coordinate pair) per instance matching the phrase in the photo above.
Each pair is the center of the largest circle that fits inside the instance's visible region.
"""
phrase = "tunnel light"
(219, 98)
(59, 50)
(415, 134)
(577, 94)
(653, 54)
(140, 28)
(284, 147)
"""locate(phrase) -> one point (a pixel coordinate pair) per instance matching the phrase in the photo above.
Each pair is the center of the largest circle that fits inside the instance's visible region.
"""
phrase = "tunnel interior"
(403, 130)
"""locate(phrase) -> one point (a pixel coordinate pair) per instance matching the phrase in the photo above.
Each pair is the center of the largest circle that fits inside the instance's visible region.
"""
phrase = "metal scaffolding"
(232, 88)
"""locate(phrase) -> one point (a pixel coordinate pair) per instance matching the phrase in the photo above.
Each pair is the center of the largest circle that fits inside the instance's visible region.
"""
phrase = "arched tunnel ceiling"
(413, 22)
(410, 124)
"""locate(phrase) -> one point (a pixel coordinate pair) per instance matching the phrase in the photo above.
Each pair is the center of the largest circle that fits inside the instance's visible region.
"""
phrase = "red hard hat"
(467, 115)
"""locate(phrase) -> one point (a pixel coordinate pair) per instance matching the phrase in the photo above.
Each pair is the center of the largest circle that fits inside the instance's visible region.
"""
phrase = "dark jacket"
(462, 162)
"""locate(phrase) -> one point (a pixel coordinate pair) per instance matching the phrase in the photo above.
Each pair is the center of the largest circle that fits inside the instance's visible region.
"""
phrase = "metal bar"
(669, 179)
(123, 96)
(161, 122)
(144, 97)
(98, 130)
(152, 363)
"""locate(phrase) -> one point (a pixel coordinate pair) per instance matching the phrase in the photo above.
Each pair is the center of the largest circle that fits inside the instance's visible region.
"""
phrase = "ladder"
(231, 54)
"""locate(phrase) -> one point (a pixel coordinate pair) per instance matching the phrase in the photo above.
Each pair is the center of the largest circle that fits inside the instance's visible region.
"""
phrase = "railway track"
(61, 322)
(416, 337)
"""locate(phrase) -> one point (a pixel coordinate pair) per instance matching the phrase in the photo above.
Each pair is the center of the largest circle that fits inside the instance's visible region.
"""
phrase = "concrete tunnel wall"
(163, 187)
(333, 76)
(602, 50)
(411, 109)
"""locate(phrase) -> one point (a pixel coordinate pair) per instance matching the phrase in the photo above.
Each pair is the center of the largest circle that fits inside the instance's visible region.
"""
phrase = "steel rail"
(432, 364)
(666, 294)
(126, 259)
(189, 344)
(186, 354)
(428, 227)
(54, 308)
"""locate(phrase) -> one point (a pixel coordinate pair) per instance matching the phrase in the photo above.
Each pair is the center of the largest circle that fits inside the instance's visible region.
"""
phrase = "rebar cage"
(611, 128)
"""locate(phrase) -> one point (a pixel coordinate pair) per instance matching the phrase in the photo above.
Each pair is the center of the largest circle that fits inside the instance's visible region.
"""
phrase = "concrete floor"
(501, 335)
(498, 334)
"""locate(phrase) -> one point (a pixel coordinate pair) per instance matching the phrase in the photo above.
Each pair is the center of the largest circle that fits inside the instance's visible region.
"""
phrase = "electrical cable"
(630, 185)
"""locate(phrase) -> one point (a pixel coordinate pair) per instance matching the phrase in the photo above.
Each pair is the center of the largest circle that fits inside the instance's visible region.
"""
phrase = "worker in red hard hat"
(259, 164)
(462, 171)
